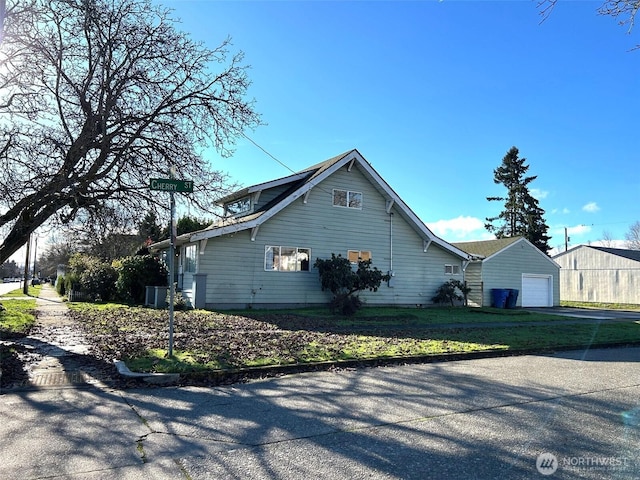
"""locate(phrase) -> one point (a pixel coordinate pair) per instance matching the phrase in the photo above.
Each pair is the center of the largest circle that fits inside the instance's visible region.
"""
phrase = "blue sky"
(433, 94)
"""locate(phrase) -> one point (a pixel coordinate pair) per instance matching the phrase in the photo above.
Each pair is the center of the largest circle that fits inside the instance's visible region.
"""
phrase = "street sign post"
(171, 185)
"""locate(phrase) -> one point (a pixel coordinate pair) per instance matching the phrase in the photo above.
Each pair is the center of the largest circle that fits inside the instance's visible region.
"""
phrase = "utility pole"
(35, 254)
(566, 240)
(25, 287)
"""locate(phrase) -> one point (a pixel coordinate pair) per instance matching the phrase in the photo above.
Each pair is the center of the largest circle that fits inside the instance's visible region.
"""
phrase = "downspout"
(391, 281)
(390, 242)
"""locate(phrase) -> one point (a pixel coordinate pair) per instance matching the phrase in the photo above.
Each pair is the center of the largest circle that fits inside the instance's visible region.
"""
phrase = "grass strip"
(18, 318)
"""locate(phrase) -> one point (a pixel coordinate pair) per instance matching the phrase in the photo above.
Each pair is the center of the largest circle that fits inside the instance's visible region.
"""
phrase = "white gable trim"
(408, 213)
(299, 193)
(353, 157)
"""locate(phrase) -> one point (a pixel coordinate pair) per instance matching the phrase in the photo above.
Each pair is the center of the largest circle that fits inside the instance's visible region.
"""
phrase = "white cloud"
(563, 211)
(538, 194)
(591, 207)
(575, 230)
(460, 228)
(578, 230)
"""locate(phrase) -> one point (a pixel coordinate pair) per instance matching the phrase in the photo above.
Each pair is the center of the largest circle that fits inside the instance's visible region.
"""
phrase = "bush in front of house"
(137, 272)
(338, 276)
(451, 291)
(90, 277)
(71, 282)
(99, 281)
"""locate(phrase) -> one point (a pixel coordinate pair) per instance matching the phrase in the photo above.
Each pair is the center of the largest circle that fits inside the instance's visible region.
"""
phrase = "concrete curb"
(155, 378)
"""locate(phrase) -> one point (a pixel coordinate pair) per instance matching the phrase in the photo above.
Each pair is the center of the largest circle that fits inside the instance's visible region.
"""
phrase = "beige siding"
(590, 275)
(235, 265)
(473, 277)
(505, 270)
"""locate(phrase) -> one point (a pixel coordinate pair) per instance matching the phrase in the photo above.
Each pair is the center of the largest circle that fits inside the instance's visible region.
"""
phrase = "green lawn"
(18, 318)
(205, 341)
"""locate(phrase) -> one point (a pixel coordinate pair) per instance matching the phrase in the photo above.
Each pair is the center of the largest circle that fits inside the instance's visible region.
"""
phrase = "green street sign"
(171, 185)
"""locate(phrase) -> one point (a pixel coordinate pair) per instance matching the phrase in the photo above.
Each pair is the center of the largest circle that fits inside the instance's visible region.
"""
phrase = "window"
(239, 206)
(189, 262)
(345, 198)
(452, 269)
(358, 255)
(286, 259)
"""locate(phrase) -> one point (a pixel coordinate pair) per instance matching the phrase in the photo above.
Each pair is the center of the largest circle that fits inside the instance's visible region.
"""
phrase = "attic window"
(239, 206)
(346, 198)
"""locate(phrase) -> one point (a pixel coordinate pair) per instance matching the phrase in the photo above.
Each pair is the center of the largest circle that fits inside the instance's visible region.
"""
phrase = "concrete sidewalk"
(59, 354)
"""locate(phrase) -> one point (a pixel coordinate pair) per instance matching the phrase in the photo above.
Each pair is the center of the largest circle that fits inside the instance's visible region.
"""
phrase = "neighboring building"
(600, 274)
(262, 253)
(511, 263)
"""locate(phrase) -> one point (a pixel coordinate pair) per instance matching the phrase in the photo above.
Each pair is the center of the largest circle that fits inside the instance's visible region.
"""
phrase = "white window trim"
(241, 212)
(349, 193)
(186, 259)
(359, 255)
(453, 269)
(280, 247)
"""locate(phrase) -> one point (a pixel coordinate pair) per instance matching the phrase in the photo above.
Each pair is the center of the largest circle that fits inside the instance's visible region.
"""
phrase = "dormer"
(258, 197)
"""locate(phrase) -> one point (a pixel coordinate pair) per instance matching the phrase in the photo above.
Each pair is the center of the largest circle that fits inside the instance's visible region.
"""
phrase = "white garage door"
(536, 290)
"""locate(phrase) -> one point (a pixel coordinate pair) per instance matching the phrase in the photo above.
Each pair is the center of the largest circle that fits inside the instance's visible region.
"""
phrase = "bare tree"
(623, 10)
(607, 239)
(633, 237)
(98, 96)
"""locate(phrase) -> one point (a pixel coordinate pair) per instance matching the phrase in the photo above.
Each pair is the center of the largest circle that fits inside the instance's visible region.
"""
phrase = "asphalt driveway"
(590, 313)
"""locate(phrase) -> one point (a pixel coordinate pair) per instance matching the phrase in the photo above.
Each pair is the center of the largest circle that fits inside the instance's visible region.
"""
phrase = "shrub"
(451, 291)
(136, 273)
(71, 282)
(60, 286)
(337, 276)
(99, 281)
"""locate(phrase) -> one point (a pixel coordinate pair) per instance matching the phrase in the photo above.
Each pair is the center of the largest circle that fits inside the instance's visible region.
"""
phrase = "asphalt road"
(575, 412)
(7, 287)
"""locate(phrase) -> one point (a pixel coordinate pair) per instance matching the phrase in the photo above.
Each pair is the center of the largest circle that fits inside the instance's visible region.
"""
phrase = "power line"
(264, 150)
(267, 153)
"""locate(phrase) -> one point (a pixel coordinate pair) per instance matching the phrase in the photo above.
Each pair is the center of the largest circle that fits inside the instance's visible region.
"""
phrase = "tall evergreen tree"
(522, 214)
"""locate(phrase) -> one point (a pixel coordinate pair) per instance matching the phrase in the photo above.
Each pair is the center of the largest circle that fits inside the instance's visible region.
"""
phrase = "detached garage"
(511, 263)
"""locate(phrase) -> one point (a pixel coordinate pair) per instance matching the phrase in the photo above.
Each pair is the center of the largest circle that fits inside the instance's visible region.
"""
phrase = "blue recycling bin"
(499, 297)
(512, 298)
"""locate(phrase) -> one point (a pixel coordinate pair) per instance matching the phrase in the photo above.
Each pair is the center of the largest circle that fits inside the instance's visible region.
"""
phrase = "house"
(511, 263)
(600, 274)
(261, 254)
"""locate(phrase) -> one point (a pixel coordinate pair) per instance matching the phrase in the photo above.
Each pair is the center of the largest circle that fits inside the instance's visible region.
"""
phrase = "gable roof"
(487, 249)
(620, 252)
(300, 184)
